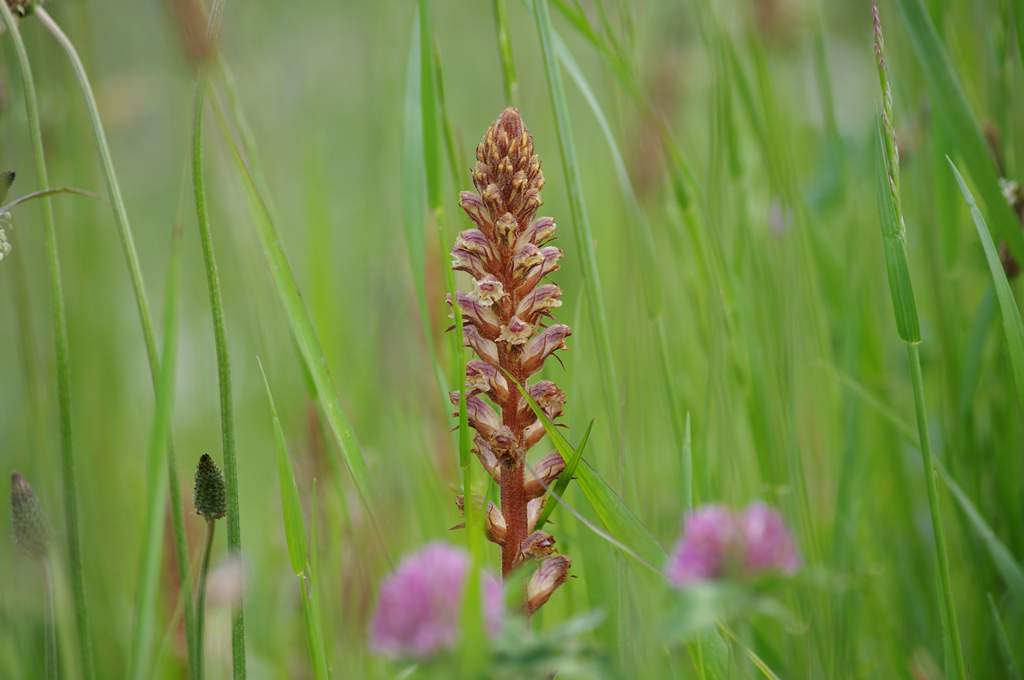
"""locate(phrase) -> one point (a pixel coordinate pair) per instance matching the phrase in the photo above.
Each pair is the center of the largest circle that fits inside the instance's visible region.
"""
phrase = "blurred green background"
(782, 347)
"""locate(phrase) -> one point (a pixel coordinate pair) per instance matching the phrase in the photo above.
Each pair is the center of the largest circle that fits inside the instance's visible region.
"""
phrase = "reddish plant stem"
(513, 507)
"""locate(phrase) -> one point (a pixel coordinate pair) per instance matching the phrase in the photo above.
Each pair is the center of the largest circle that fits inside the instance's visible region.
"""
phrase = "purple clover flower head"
(709, 534)
(717, 543)
(419, 604)
(767, 544)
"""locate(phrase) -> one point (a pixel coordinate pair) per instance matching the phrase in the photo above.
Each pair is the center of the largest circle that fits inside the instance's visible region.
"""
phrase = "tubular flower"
(419, 604)
(505, 323)
(717, 543)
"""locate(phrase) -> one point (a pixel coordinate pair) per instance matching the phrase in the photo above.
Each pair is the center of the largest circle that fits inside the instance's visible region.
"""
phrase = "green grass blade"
(647, 260)
(1013, 327)
(428, 109)
(300, 323)
(568, 472)
(142, 305)
(1005, 649)
(1009, 568)
(687, 465)
(581, 221)
(157, 481)
(950, 103)
(429, 105)
(451, 145)
(63, 352)
(138, 288)
(295, 535)
(984, 317)
(113, 190)
(509, 83)
(614, 514)
(473, 649)
(414, 202)
(1018, 15)
(905, 311)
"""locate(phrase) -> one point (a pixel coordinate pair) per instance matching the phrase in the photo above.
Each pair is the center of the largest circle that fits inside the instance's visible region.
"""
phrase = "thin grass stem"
(158, 484)
(581, 220)
(223, 358)
(301, 324)
(52, 663)
(60, 328)
(509, 83)
(142, 304)
(204, 572)
(941, 551)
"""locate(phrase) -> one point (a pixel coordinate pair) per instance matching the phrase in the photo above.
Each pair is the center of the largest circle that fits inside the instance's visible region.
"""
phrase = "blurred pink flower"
(701, 552)
(767, 543)
(717, 542)
(420, 603)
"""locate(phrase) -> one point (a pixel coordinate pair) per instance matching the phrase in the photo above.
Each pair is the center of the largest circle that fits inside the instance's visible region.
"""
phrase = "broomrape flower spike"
(505, 319)
(420, 603)
(718, 543)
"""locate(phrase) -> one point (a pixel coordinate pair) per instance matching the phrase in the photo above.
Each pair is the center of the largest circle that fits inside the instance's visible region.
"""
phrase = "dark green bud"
(6, 180)
(31, 532)
(209, 496)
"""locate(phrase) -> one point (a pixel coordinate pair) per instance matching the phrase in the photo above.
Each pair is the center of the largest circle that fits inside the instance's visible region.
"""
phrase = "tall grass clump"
(63, 352)
(908, 326)
(142, 306)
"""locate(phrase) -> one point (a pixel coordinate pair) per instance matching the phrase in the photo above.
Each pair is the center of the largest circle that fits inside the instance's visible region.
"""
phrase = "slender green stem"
(60, 328)
(28, 347)
(510, 86)
(211, 527)
(301, 325)
(223, 367)
(949, 618)
(321, 670)
(142, 304)
(52, 663)
(581, 220)
(159, 481)
(301, 554)
(113, 188)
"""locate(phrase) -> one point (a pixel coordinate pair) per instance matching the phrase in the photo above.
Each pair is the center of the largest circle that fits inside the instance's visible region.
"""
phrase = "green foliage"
(740, 330)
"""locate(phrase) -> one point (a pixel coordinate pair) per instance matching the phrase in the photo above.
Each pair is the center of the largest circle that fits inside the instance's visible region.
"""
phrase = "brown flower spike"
(506, 320)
